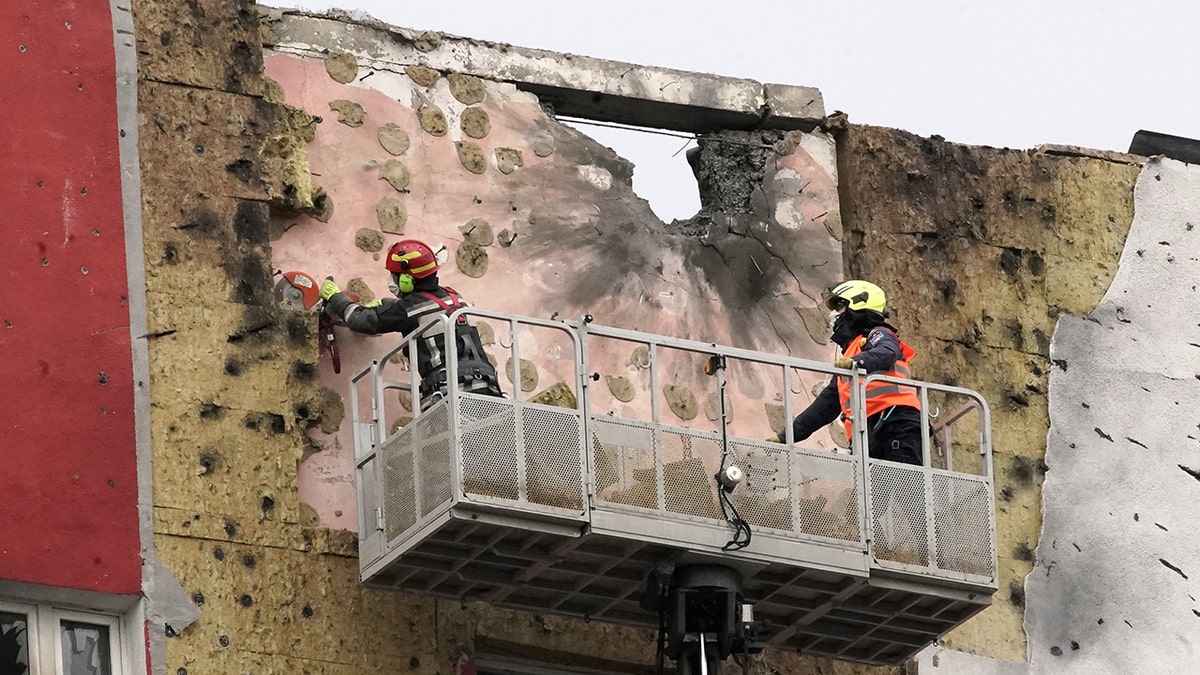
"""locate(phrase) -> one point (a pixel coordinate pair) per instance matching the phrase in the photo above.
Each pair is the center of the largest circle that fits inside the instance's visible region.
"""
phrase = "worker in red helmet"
(413, 267)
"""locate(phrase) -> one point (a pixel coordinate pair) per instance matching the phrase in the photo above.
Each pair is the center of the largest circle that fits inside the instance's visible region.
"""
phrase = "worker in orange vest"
(870, 344)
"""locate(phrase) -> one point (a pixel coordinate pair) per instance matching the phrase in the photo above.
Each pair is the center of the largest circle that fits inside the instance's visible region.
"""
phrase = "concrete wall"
(538, 219)
(70, 486)
(982, 250)
(1124, 395)
(227, 369)
(243, 175)
(1112, 591)
(987, 254)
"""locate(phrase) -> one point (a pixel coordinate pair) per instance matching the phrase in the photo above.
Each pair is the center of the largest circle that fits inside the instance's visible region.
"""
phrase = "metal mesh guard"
(418, 455)
(790, 491)
(764, 499)
(823, 485)
(689, 463)
(830, 502)
(619, 452)
(552, 456)
(624, 457)
(399, 497)
(487, 427)
(898, 513)
(962, 525)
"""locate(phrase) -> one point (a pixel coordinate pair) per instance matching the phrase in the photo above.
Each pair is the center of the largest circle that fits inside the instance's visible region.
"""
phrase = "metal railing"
(567, 464)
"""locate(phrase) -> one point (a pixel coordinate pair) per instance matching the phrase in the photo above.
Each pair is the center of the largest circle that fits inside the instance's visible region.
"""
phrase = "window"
(50, 640)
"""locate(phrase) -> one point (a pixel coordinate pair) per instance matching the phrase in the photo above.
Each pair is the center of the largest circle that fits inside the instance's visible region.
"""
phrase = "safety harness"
(475, 372)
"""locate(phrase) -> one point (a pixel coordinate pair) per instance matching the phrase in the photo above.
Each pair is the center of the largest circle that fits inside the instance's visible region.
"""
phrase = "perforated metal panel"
(664, 469)
(906, 499)
(690, 459)
(488, 433)
(898, 513)
(553, 465)
(416, 471)
(399, 497)
(520, 452)
(789, 491)
(827, 494)
(962, 518)
(625, 462)
(764, 499)
(431, 433)
(804, 492)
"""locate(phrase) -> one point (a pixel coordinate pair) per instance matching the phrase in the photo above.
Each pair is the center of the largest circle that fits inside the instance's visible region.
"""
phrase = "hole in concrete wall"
(661, 174)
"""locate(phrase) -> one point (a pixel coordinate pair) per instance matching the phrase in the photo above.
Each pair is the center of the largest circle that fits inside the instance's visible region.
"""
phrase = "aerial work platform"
(570, 500)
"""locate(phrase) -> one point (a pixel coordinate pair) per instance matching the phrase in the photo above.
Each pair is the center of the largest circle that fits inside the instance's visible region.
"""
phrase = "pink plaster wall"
(585, 244)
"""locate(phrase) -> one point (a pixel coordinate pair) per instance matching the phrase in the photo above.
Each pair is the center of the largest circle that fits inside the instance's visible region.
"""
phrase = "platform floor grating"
(883, 618)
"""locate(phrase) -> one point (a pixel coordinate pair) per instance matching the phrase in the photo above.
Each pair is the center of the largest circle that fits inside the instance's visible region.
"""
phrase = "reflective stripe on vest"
(430, 345)
(880, 395)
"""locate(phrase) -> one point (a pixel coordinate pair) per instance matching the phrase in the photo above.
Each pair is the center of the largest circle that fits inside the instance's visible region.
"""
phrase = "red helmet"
(411, 257)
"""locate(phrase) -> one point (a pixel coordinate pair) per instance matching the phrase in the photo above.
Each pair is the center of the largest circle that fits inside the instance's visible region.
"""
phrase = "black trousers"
(895, 435)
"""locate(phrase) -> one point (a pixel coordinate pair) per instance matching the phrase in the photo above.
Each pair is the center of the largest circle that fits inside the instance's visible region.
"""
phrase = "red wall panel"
(68, 471)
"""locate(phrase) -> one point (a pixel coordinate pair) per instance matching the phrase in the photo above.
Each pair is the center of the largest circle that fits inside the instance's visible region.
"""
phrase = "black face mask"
(843, 330)
(851, 324)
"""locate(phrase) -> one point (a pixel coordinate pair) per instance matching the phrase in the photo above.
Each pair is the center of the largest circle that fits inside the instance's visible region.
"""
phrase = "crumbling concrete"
(1109, 592)
(757, 259)
(582, 242)
(981, 251)
(254, 505)
(572, 85)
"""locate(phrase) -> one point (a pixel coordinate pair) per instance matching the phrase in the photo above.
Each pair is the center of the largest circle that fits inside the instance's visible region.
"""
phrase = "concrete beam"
(575, 86)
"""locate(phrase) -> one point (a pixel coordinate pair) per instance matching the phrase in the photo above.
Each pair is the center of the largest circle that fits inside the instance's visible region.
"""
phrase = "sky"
(1013, 74)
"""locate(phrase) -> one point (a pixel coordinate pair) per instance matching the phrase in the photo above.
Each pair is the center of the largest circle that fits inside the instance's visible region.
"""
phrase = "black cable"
(740, 527)
(744, 662)
(662, 632)
(716, 365)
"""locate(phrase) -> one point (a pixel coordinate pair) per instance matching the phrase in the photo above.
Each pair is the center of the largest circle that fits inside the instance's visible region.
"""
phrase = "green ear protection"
(405, 283)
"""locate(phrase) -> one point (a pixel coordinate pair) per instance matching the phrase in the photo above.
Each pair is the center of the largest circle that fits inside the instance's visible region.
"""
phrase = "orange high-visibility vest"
(880, 395)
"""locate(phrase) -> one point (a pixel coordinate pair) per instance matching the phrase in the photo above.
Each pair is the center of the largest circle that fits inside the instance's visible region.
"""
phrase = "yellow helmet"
(856, 295)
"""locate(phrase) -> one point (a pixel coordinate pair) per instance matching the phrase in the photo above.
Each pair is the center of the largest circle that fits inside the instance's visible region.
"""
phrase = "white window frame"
(44, 634)
(31, 630)
(115, 641)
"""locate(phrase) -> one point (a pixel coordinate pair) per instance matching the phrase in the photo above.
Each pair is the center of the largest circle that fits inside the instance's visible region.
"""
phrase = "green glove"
(329, 289)
(840, 362)
(773, 438)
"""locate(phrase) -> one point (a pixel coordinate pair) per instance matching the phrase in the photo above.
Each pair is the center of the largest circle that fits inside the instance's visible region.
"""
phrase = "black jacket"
(391, 315)
(408, 312)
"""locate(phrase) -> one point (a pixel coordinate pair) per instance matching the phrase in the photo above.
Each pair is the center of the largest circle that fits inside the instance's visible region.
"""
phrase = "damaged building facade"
(183, 469)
